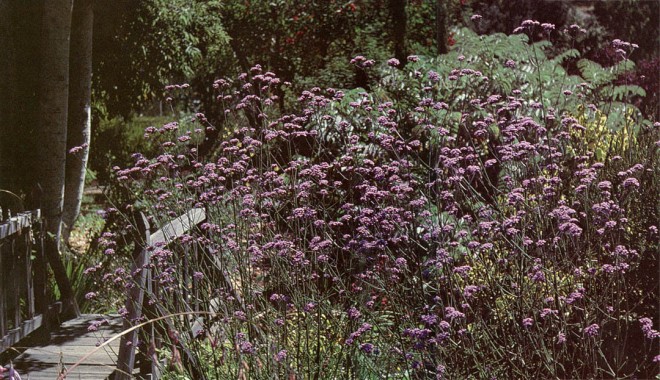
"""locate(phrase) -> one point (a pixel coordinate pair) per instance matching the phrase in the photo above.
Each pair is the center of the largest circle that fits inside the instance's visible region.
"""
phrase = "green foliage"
(114, 141)
(507, 63)
(632, 20)
(502, 16)
(623, 92)
(308, 43)
(616, 99)
(594, 72)
(432, 127)
(141, 46)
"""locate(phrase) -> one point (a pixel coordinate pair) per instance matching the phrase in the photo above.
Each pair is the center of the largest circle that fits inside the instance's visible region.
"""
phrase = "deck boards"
(67, 345)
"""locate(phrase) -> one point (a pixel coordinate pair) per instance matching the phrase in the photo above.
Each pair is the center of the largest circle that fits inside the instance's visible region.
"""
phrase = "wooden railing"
(143, 287)
(22, 278)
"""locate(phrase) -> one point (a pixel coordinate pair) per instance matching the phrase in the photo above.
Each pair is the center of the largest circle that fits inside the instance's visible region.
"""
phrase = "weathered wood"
(68, 345)
(40, 278)
(169, 232)
(71, 343)
(23, 308)
(135, 300)
(19, 315)
(17, 223)
(4, 266)
(178, 226)
(14, 336)
(94, 190)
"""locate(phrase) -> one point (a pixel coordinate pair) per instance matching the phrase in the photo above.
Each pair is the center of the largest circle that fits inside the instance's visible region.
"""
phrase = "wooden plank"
(111, 320)
(93, 373)
(134, 302)
(16, 282)
(165, 235)
(178, 226)
(94, 190)
(4, 275)
(17, 223)
(69, 358)
(71, 342)
(72, 355)
(13, 336)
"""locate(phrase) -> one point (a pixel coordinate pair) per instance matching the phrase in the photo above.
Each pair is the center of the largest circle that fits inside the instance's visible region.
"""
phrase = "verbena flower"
(591, 330)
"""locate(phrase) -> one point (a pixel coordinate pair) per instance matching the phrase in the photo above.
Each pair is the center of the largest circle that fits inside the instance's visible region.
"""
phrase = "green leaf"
(617, 114)
(568, 54)
(622, 92)
(594, 73)
(622, 67)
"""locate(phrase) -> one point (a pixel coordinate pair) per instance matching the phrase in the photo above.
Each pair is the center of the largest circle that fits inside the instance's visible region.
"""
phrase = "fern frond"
(595, 73)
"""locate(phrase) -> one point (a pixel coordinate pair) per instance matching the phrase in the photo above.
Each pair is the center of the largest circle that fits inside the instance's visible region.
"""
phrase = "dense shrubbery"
(479, 215)
(109, 152)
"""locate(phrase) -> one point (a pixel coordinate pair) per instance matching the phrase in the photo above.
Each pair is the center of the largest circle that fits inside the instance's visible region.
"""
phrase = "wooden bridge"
(36, 344)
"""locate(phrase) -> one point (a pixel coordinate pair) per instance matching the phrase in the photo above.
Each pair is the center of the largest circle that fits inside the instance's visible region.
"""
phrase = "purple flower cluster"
(438, 223)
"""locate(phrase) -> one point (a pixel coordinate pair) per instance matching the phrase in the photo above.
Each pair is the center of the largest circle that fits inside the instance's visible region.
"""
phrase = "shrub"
(479, 215)
(114, 141)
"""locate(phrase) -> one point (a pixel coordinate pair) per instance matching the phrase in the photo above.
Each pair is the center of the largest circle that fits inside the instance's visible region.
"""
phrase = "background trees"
(43, 117)
(20, 36)
(141, 46)
(46, 106)
(79, 112)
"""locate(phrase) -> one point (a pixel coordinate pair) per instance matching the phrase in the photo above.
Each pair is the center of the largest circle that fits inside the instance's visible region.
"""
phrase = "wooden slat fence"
(22, 278)
(144, 287)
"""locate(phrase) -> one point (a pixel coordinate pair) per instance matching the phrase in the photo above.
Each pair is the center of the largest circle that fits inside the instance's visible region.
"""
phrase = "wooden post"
(139, 270)
(141, 281)
(29, 280)
(40, 269)
(4, 265)
(20, 313)
(17, 277)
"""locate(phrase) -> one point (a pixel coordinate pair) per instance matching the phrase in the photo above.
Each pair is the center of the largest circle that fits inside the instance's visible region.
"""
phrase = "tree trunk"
(20, 34)
(52, 135)
(53, 110)
(8, 75)
(79, 120)
(398, 16)
(441, 26)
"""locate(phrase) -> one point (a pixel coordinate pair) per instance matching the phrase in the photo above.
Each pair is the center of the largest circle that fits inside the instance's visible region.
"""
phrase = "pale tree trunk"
(79, 121)
(53, 109)
(53, 114)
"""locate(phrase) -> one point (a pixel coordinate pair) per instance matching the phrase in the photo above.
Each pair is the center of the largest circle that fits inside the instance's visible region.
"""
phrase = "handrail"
(141, 257)
(22, 278)
(15, 224)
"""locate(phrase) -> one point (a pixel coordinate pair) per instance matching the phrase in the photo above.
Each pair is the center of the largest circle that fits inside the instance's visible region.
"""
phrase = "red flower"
(450, 40)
